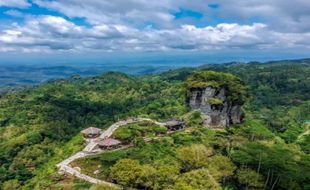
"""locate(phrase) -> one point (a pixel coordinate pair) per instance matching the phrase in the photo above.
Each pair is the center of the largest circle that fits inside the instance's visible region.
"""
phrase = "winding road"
(90, 149)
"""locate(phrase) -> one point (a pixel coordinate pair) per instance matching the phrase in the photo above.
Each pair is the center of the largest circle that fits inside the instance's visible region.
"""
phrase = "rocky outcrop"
(215, 107)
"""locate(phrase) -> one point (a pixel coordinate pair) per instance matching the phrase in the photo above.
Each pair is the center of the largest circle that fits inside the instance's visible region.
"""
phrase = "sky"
(79, 30)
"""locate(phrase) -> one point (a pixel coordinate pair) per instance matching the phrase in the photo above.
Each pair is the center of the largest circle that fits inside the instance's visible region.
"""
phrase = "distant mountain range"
(12, 76)
(19, 75)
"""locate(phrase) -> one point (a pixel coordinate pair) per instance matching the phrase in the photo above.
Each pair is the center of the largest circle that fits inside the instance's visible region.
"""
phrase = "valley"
(40, 127)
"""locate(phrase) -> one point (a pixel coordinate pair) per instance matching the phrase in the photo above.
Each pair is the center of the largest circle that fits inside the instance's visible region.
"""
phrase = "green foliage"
(284, 162)
(250, 178)
(130, 173)
(304, 143)
(44, 118)
(194, 119)
(161, 177)
(215, 101)
(292, 132)
(103, 187)
(152, 152)
(129, 132)
(194, 157)
(11, 184)
(127, 172)
(166, 175)
(255, 130)
(220, 167)
(273, 83)
(184, 138)
(40, 126)
(236, 90)
(125, 134)
(197, 179)
(46, 174)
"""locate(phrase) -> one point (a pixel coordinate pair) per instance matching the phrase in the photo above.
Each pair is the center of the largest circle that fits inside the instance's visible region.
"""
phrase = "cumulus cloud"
(56, 33)
(283, 15)
(116, 11)
(53, 33)
(143, 25)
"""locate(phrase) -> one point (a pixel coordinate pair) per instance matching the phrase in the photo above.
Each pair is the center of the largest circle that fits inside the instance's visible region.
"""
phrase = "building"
(91, 132)
(109, 143)
(174, 125)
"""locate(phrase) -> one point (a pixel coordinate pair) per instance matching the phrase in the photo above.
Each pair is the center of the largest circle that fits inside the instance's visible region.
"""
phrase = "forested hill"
(285, 82)
(39, 127)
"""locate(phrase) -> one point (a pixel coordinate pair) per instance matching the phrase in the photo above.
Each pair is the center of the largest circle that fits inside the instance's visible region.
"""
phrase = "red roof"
(108, 142)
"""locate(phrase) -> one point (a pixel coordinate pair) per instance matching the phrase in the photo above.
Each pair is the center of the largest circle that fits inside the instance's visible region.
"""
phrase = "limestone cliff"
(218, 97)
(216, 109)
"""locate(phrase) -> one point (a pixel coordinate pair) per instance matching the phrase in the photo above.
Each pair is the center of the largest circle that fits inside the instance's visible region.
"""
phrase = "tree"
(127, 172)
(194, 156)
(11, 185)
(254, 130)
(166, 175)
(279, 163)
(250, 178)
(194, 119)
(237, 92)
(147, 176)
(197, 179)
(220, 167)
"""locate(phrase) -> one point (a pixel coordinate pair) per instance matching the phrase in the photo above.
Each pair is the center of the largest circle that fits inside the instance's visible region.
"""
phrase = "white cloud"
(143, 25)
(112, 12)
(53, 33)
(56, 33)
(279, 14)
(190, 37)
(15, 3)
(14, 13)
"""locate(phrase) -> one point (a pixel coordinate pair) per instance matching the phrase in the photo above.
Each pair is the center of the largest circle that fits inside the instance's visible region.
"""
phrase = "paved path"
(90, 149)
(78, 174)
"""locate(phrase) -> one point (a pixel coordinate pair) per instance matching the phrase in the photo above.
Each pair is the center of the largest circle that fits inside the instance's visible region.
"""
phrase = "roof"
(108, 142)
(173, 123)
(91, 130)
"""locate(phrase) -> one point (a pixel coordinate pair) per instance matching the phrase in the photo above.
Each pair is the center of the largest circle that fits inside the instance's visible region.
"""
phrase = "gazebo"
(91, 132)
(109, 143)
(174, 125)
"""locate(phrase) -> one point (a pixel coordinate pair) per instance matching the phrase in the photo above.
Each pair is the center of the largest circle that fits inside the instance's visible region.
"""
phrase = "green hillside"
(39, 127)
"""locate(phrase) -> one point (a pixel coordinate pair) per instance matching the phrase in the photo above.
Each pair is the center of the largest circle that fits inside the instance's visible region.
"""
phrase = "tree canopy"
(235, 88)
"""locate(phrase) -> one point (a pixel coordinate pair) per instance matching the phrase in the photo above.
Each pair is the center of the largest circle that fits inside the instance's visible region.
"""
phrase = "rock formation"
(218, 96)
(216, 109)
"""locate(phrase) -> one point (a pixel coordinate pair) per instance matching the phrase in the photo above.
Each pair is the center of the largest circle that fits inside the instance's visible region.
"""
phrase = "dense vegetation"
(40, 126)
(236, 91)
(37, 123)
(130, 132)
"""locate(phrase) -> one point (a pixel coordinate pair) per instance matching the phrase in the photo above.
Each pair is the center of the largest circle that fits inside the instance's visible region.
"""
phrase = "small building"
(91, 132)
(109, 143)
(174, 125)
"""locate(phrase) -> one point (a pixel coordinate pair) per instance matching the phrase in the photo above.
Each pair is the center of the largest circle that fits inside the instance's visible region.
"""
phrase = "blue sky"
(201, 29)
